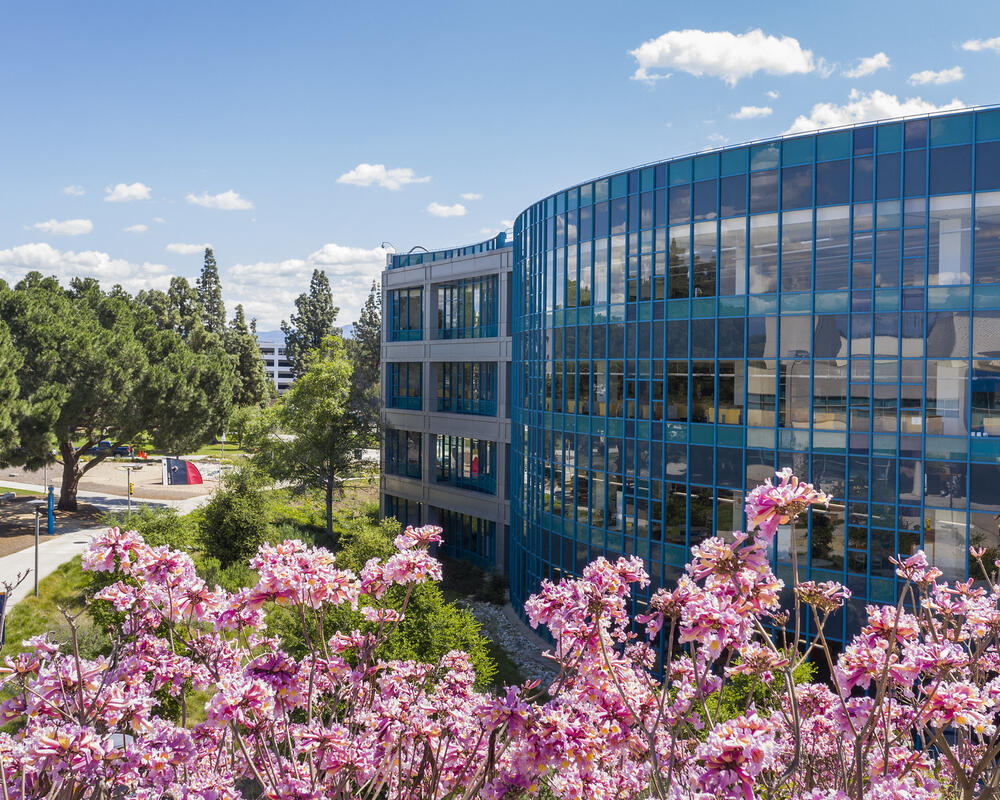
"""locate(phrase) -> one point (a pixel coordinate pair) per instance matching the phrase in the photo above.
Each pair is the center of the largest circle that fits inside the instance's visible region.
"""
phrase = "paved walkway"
(53, 551)
(56, 550)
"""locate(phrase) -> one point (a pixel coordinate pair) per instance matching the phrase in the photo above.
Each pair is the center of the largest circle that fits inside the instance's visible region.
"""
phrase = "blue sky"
(135, 133)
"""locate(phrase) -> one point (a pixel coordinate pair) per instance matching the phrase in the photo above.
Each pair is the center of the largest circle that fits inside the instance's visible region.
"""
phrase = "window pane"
(833, 240)
(705, 200)
(796, 187)
(763, 191)
(887, 177)
(833, 182)
(732, 257)
(951, 169)
(948, 240)
(862, 180)
(987, 245)
(704, 259)
(764, 253)
(988, 166)
(679, 262)
(733, 195)
(796, 251)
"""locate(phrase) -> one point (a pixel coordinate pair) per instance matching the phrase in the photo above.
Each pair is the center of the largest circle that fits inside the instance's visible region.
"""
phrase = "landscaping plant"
(910, 709)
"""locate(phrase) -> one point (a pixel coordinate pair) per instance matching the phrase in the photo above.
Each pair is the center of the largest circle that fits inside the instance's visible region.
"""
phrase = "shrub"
(234, 523)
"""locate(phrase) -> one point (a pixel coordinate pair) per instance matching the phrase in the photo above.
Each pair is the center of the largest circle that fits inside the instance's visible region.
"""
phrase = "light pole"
(37, 505)
(128, 472)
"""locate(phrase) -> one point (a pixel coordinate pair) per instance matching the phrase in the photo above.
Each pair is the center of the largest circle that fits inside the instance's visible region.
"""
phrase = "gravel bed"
(521, 646)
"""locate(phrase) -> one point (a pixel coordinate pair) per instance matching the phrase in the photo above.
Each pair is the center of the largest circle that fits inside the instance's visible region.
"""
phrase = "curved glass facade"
(828, 302)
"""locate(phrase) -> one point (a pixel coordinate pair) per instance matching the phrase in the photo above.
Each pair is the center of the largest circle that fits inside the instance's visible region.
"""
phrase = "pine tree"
(253, 383)
(11, 407)
(213, 312)
(365, 350)
(315, 319)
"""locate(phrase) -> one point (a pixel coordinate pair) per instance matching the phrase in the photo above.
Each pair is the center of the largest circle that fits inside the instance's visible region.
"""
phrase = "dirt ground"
(17, 523)
(110, 477)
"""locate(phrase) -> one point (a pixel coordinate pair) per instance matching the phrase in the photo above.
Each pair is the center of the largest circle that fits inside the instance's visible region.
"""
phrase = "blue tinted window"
(680, 172)
(797, 151)
(680, 204)
(864, 141)
(887, 177)
(862, 180)
(706, 167)
(889, 138)
(988, 166)
(915, 133)
(833, 183)
(763, 191)
(734, 195)
(600, 220)
(734, 161)
(833, 145)
(988, 125)
(660, 174)
(764, 156)
(619, 211)
(633, 181)
(705, 199)
(619, 185)
(915, 173)
(951, 169)
(956, 129)
(796, 187)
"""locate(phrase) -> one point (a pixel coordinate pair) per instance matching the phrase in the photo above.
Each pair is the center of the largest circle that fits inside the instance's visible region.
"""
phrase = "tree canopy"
(253, 385)
(310, 436)
(11, 404)
(100, 365)
(315, 318)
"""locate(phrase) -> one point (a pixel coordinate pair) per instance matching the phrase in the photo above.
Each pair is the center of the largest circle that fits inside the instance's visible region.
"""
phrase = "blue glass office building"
(828, 302)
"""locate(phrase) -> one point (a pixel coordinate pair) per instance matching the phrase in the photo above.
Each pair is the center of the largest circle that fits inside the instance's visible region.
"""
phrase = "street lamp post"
(128, 473)
(37, 505)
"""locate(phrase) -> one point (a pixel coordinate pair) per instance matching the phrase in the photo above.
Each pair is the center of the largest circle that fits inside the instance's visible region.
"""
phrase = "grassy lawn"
(35, 615)
(20, 492)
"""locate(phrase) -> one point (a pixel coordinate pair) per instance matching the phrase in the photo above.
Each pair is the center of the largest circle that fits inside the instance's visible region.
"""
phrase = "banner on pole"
(180, 473)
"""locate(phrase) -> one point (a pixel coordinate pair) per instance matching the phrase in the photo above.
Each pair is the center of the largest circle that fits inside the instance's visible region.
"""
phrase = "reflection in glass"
(704, 259)
(987, 260)
(796, 251)
(948, 251)
(732, 257)
(833, 242)
(679, 262)
(764, 253)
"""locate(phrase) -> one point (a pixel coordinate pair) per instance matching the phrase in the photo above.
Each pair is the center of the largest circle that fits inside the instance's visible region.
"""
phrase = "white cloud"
(126, 193)
(158, 219)
(975, 45)
(773, 94)
(394, 179)
(717, 138)
(66, 227)
(136, 228)
(74, 190)
(866, 66)
(438, 210)
(507, 223)
(862, 107)
(15, 262)
(268, 289)
(226, 201)
(751, 112)
(937, 78)
(186, 249)
(720, 54)
(472, 196)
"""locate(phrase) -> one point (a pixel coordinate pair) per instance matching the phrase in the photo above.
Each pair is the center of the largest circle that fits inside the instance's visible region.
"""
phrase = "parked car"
(124, 450)
(100, 448)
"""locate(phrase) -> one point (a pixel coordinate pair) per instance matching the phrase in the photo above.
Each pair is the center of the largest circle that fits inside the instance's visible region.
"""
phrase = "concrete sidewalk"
(53, 551)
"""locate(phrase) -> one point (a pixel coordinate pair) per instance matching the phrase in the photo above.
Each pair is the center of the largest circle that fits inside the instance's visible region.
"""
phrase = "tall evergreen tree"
(365, 350)
(213, 312)
(253, 383)
(315, 319)
(11, 406)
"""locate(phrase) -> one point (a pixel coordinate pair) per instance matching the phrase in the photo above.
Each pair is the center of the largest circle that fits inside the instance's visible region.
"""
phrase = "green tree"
(97, 366)
(234, 524)
(315, 319)
(213, 312)
(11, 405)
(366, 352)
(310, 437)
(241, 421)
(253, 384)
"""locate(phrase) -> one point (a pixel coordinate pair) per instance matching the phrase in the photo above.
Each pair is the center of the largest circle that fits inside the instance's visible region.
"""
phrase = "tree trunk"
(329, 506)
(71, 477)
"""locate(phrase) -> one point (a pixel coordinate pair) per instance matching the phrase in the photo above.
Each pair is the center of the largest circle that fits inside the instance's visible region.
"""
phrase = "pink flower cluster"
(910, 710)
